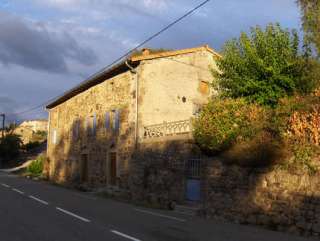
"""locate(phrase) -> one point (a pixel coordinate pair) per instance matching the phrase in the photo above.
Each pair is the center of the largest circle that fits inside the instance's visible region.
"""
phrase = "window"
(54, 136)
(94, 123)
(76, 127)
(87, 126)
(107, 120)
(204, 87)
(116, 120)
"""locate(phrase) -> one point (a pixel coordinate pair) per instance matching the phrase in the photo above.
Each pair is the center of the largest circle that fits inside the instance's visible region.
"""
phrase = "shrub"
(36, 166)
(294, 115)
(261, 150)
(302, 159)
(251, 135)
(225, 121)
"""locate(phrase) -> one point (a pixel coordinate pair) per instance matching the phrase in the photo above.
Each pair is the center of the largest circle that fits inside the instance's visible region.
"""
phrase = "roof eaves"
(88, 83)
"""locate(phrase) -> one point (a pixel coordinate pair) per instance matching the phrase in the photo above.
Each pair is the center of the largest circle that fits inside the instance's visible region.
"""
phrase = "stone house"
(27, 129)
(96, 127)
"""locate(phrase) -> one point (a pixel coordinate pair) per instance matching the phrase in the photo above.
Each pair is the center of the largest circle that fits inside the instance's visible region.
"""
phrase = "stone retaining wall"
(271, 197)
(158, 172)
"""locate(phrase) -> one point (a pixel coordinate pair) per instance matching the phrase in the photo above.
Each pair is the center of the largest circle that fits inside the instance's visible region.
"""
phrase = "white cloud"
(100, 8)
(156, 4)
(37, 46)
(61, 3)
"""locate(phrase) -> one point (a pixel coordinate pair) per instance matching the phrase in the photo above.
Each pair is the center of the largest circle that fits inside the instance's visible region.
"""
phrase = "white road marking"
(73, 215)
(124, 235)
(39, 200)
(17, 190)
(5, 185)
(161, 215)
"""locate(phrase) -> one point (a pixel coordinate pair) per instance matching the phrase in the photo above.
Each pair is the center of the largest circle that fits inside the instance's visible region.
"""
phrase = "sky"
(49, 46)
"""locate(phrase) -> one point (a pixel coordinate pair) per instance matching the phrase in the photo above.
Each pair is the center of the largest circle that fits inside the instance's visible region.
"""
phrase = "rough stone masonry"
(271, 197)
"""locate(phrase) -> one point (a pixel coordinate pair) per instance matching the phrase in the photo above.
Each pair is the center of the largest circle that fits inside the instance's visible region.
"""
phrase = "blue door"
(193, 190)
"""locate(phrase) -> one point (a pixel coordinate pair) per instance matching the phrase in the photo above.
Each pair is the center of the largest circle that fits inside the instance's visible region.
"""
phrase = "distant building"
(96, 127)
(29, 128)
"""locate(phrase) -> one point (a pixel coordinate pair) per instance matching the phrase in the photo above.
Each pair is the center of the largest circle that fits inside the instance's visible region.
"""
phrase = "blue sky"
(48, 46)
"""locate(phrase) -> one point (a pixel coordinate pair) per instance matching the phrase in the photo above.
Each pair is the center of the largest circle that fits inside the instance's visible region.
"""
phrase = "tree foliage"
(10, 147)
(264, 66)
(311, 21)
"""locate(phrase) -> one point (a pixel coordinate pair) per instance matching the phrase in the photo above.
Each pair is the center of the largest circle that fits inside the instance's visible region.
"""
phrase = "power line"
(28, 110)
(124, 55)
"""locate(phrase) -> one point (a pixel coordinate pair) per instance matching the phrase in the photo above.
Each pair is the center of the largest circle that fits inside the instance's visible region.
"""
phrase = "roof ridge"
(118, 68)
(174, 52)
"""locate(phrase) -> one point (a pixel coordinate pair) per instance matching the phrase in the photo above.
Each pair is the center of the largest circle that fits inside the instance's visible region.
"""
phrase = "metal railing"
(168, 129)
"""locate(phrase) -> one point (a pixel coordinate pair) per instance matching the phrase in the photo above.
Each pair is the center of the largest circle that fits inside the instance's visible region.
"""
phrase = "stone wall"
(271, 197)
(76, 136)
(170, 88)
(158, 171)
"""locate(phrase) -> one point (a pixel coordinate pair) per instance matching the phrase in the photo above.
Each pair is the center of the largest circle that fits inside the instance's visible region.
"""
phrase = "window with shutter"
(107, 120)
(75, 129)
(116, 125)
(94, 124)
(87, 126)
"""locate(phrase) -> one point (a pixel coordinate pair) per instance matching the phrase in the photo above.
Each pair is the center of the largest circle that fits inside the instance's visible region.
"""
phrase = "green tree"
(311, 21)
(262, 66)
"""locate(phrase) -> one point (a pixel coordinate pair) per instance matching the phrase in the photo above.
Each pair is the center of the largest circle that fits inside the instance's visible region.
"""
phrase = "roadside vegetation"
(14, 153)
(35, 169)
(10, 147)
(267, 111)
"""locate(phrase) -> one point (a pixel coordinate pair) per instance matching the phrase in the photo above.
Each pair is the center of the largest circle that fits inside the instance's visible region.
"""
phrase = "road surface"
(38, 211)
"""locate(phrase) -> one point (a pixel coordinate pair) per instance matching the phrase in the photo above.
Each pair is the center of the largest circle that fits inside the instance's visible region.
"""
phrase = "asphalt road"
(38, 211)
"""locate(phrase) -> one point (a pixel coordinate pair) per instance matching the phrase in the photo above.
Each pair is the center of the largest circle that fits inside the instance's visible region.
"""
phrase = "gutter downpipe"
(134, 71)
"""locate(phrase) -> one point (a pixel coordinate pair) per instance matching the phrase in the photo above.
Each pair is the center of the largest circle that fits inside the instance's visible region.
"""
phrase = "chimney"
(145, 51)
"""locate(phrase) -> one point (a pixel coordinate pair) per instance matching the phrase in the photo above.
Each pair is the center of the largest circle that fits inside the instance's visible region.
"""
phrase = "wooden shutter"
(116, 125)
(107, 120)
(204, 87)
(94, 124)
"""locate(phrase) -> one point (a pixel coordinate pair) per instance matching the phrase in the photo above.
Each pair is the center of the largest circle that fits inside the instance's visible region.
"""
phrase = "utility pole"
(3, 120)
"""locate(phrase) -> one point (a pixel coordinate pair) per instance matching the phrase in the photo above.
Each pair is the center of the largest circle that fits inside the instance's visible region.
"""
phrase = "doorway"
(84, 168)
(113, 168)
(193, 187)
